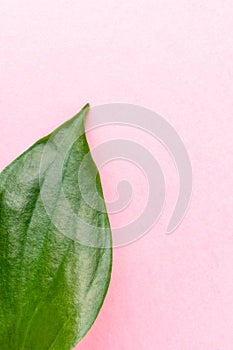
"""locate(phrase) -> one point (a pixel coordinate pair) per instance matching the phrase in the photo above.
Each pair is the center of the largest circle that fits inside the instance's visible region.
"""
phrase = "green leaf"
(55, 243)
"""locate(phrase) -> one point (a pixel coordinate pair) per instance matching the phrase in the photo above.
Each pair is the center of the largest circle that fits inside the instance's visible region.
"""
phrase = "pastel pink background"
(175, 57)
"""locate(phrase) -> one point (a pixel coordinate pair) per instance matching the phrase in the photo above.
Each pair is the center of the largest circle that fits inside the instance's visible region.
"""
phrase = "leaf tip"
(86, 107)
(81, 114)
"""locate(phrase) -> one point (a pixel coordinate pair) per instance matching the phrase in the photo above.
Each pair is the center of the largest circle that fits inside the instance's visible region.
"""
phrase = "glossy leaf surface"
(54, 274)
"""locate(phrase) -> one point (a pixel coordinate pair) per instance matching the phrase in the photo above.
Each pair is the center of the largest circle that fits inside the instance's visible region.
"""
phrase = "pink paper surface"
(175, 57)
